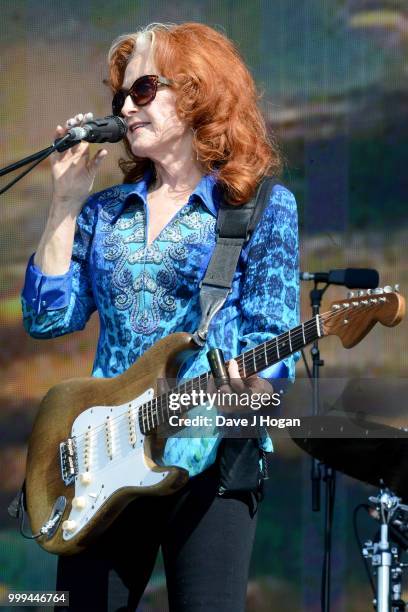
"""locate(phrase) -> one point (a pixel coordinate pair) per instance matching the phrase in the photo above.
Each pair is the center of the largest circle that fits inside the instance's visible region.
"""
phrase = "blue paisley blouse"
(144, 292)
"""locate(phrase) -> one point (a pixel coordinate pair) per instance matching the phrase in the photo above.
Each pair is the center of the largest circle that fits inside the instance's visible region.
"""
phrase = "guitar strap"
(238, 459)
(234, 228)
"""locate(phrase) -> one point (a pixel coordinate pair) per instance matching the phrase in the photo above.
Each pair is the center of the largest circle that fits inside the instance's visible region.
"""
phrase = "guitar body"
(113, 464)
(95, 447)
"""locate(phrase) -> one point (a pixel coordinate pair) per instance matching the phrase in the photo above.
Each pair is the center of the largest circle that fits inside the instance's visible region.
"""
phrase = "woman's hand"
(73, 171)
(242, 387)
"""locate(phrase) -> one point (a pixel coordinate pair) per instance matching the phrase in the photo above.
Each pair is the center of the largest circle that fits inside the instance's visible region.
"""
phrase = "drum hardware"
(384, 557)
(375, 454)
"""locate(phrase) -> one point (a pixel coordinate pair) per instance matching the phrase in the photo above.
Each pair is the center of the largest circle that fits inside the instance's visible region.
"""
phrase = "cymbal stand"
(385, 557)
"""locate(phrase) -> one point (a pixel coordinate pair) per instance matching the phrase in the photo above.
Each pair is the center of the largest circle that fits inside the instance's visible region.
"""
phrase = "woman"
(141, 248)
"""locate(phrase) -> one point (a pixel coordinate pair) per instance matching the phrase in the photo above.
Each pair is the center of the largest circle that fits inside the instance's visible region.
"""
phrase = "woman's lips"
(133, 128)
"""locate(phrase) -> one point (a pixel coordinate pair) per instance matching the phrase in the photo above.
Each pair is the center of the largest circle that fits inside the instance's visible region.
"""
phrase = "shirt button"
(33, 299)
(43, 302)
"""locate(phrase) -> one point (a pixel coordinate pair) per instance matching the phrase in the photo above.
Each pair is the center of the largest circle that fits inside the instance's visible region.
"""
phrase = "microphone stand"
(61, 144)
(329, 477)
(350, 278)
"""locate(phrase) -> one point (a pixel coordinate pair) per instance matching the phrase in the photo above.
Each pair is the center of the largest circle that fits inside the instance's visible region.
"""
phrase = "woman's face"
(164, 133)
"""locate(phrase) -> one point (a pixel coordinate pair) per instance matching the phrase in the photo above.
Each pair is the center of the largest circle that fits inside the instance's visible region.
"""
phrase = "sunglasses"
(142, 92)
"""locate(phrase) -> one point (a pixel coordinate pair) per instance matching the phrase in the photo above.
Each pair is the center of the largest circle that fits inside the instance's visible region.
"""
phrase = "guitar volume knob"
(69, 525)
(85, 478)
(79, 503)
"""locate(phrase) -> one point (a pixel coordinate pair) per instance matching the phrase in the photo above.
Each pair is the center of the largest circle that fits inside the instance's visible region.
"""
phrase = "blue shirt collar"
(207, 191)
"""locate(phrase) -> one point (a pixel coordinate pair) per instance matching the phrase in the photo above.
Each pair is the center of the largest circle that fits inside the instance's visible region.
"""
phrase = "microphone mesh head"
(122, 125)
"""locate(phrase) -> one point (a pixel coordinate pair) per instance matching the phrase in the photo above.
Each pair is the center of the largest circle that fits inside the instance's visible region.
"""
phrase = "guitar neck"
(157, 412)
(272, 351)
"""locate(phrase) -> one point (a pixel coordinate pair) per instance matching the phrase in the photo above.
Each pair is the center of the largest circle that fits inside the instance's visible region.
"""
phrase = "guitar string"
(118, 434)
(327, 316)
(251, 354)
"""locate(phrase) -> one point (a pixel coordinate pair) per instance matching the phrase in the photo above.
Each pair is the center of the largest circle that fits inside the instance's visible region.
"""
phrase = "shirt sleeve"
(270, 293)
(54, 305)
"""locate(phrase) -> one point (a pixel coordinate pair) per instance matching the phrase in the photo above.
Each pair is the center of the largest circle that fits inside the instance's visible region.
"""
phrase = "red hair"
(215, 95)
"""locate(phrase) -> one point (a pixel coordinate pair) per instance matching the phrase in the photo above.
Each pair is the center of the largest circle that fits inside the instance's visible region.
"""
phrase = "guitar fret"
(272, 351)
(310, 331)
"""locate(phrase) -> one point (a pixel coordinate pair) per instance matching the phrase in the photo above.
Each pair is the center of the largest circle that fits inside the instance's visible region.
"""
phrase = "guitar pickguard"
(109, 456)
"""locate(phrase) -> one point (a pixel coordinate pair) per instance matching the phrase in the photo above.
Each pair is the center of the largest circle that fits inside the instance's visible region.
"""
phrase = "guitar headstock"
(351, 319)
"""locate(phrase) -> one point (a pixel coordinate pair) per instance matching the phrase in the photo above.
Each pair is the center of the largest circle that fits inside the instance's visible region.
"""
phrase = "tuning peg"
(388, 289)
(396, 288)
(378, 290)
(370, 291)
(361, 292)
(350, 294)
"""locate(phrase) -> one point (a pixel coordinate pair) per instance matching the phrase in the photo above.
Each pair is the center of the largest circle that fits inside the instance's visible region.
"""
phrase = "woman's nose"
(129, 107)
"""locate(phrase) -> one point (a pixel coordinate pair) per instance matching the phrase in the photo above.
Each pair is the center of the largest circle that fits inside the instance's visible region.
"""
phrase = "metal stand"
(61, 144)
(329, 475)
(384, 557)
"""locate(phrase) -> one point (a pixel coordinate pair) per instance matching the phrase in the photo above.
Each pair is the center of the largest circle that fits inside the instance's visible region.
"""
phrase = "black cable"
(360, 545)
(325, 583)
(21, 516)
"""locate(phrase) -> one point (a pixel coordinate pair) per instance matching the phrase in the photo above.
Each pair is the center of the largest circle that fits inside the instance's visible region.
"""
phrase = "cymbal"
(371, 452)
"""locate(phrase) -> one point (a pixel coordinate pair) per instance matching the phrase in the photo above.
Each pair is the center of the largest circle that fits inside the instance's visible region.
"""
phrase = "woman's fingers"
(95, 162)
(79, 119)
(259, 385)
(240, 389)
(236, 381)
(73, 170)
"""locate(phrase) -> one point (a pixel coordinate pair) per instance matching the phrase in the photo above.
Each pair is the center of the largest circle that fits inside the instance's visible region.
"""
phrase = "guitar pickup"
(68, 461)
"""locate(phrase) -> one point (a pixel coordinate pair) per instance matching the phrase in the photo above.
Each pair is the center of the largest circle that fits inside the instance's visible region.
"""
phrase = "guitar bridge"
(68, 461)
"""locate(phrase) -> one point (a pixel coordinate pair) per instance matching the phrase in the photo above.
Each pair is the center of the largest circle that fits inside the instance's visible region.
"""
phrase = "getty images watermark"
(226, 402)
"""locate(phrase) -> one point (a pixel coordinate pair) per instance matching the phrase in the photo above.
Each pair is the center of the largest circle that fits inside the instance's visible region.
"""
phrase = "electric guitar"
(95, 446)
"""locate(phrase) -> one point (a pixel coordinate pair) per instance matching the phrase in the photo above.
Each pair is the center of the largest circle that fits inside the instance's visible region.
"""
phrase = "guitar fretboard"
(157, 412)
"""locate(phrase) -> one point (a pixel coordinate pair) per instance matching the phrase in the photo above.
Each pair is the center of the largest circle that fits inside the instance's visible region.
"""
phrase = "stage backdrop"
(334, 81)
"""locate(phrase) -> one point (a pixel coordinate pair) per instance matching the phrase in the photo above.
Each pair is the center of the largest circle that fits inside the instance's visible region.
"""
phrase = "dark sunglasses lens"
(143, 90)
(118, 102)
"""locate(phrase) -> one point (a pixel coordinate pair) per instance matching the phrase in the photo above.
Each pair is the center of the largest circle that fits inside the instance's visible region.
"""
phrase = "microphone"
(352, 278)
(108, 129)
